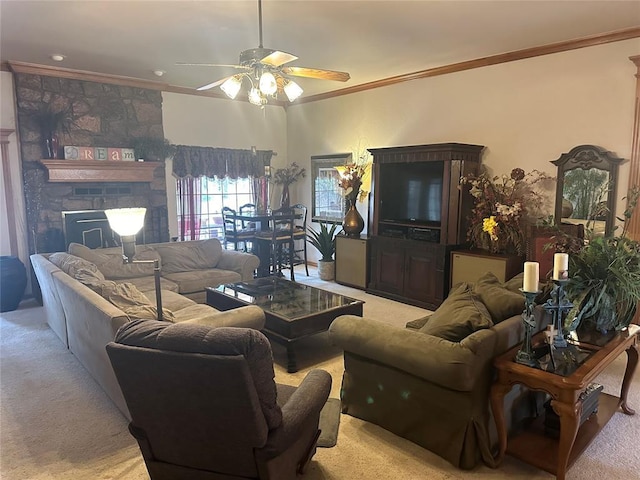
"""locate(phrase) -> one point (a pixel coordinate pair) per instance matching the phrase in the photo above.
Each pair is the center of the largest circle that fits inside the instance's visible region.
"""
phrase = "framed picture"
(327, 202)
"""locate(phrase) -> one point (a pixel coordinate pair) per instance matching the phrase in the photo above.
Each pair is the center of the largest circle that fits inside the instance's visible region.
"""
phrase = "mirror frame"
(587, 157)
(327, 161)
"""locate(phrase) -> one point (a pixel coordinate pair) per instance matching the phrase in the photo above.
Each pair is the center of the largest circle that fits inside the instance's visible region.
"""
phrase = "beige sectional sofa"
(89, 294)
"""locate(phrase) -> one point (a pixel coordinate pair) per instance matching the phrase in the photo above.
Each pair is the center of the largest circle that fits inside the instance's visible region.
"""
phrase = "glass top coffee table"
(293, 311)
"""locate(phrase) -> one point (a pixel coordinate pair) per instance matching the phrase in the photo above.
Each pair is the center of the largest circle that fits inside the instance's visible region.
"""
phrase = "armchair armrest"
(243, 263)
(457, 366)
(305, 403)
(245, 317)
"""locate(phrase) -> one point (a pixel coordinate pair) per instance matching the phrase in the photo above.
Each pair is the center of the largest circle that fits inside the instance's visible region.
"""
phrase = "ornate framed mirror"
(586, 188)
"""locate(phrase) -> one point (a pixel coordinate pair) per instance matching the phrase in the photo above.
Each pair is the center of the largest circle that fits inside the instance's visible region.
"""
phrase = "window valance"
(191, 161)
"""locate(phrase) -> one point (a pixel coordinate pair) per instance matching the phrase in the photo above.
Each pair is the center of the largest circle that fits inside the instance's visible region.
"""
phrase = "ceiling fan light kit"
(265, 66)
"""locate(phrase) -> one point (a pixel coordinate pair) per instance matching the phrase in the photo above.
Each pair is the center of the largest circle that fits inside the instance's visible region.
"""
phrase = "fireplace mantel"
(79, 171)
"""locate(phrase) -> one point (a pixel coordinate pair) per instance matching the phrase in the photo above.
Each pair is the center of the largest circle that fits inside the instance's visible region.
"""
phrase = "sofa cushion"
(197, 280)
(185, 256)
(109, 260)
(501, 302)
(75, 266)
(147, 284)
(170, 300)
(461, 314)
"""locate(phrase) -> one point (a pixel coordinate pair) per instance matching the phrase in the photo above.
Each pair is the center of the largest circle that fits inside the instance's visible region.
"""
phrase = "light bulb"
(256, 98)
(293, 90)
(231, 87)
(268, 84)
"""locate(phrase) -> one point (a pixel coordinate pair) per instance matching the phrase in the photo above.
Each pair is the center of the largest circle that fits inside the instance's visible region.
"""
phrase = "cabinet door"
(420, 279)
(351, 261)
(389, 271)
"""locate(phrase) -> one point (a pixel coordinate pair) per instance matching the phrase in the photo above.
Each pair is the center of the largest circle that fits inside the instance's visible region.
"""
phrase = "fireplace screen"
(91, 228)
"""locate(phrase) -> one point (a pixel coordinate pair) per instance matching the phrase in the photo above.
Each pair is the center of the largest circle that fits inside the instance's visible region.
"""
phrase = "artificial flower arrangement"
(289, 175)
(355, 178)
(502, 206)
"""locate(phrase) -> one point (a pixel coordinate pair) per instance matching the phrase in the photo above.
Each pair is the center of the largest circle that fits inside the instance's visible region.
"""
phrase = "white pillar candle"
(531, 277)
(561, 266)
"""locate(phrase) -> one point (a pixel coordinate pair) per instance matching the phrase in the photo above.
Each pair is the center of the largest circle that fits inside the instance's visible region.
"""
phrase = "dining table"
(261, 221)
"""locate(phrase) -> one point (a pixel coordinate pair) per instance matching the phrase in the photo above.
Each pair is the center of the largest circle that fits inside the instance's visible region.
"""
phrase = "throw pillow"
(187, 256)
(461, 314)
(75, 266)
(132, 301)
(501, 302)
(109, 260)
(515, 284)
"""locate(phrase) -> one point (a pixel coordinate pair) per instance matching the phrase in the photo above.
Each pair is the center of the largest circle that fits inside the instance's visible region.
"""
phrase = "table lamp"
(127, 222)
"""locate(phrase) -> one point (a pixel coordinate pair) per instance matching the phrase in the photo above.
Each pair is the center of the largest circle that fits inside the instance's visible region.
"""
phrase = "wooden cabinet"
(417, 215)
(409, 270)
(352, 261)
(469, 265)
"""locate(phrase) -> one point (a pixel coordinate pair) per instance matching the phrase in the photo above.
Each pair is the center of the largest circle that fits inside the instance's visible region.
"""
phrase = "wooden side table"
(531, 445)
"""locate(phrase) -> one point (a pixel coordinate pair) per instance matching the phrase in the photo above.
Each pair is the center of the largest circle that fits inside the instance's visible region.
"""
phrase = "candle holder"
(525, 355)
(558, 305)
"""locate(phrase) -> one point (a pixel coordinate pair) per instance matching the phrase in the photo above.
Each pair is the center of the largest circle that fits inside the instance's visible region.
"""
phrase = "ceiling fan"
(264, 68)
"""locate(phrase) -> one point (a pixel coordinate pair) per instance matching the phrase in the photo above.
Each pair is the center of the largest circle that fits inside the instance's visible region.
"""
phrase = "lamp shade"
(231, 86)
(292, 90)
(126, 221)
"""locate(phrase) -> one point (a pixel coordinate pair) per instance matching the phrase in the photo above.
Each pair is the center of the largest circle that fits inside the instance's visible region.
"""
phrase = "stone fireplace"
(104, 115)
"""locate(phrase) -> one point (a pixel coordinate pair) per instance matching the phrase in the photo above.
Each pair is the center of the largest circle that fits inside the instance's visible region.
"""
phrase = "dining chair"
(278, 241)
(300, 235)
(233, 234)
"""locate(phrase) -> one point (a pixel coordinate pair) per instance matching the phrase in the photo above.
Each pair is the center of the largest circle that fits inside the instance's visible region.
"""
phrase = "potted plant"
(285, 177)
(153, 148)
(604, 284)
(52, 123)
(325, 242)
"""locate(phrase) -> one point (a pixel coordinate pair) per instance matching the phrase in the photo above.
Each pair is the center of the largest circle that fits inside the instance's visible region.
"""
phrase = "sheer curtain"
(189, 208)
(190, 163)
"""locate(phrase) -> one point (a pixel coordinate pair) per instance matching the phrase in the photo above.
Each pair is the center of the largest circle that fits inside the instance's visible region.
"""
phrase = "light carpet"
(56, 423)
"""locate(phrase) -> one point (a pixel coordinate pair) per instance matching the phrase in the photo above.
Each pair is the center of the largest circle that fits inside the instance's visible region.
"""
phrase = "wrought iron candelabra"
(558, 306)
(525, 355)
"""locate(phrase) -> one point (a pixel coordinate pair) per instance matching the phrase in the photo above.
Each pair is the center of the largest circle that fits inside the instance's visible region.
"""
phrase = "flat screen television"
(411, 192)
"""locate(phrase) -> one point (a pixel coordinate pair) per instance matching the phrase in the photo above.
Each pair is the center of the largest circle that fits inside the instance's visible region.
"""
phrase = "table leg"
(292, 366)
(498, 392)
(632, 363)
(569, 423)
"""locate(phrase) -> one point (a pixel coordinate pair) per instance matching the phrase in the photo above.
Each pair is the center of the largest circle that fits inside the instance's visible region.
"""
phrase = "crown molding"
(591, 41)
(600, 39)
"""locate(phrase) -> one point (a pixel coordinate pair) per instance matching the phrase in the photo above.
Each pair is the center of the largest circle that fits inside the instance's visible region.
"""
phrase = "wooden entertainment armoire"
(417, 216)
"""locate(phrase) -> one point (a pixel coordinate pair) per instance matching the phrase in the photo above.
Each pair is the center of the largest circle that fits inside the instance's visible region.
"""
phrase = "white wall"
(212, 122)
(8, 121)
(527, 113)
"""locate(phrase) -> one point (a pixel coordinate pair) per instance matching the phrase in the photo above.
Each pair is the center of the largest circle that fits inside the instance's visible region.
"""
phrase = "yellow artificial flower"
(490, 226)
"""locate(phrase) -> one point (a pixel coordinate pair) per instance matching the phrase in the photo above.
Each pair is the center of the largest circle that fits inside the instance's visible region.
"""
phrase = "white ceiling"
(369, 39)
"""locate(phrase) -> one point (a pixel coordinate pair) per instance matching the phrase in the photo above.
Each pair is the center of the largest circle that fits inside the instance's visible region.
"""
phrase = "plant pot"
(13, 278)
(327, 269)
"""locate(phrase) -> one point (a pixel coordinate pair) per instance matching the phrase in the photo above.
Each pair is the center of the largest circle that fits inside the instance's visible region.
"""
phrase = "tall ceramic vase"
(353, 222)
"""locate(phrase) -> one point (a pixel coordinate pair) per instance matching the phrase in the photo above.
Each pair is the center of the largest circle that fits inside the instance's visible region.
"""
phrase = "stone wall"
(102, 115)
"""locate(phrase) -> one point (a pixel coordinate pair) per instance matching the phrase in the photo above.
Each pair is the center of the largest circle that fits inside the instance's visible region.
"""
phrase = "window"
(200, 201)
(327, 202)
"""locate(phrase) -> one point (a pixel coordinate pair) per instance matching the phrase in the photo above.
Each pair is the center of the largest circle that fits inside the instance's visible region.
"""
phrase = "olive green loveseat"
(429, 382)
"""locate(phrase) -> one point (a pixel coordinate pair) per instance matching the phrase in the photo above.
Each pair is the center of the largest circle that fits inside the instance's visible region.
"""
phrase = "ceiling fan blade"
(214, 84)
(242, 67)
(316, 73)
(277, 58)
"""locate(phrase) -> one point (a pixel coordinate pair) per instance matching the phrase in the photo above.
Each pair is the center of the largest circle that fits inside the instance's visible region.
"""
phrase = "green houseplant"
(604, 281)
(325, 242)
(53, 123)
(153, 148)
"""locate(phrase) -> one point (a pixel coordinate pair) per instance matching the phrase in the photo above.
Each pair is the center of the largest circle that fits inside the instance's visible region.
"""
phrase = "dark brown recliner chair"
(204, 403)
